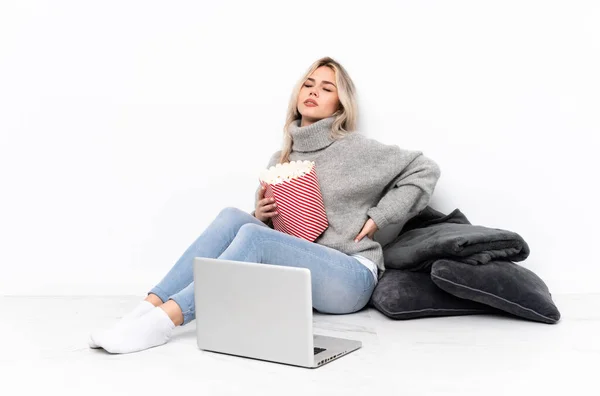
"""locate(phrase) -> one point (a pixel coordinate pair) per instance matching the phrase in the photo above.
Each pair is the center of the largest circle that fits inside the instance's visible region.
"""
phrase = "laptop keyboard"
(319, 350)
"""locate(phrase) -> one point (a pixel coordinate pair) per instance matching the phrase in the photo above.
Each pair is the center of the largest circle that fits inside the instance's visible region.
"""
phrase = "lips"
(310, 101)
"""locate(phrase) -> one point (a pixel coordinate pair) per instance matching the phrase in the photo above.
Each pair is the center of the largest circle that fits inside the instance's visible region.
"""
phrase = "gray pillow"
(408, 295)
(500, 284)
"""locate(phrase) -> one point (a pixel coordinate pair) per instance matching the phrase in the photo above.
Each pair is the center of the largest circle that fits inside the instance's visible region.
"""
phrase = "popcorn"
(295, 187)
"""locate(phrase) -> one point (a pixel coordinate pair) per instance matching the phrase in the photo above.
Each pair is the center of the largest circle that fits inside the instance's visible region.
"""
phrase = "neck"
(305, 121)
(312, 137)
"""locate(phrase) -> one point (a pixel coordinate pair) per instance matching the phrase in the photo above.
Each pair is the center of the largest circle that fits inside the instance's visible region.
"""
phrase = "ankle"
(174, 311)
(153, 299)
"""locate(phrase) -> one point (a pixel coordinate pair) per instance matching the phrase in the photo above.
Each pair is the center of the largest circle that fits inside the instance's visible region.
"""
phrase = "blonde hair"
(345, 120)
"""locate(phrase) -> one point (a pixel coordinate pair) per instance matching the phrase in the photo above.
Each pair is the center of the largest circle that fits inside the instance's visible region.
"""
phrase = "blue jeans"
(340, 283)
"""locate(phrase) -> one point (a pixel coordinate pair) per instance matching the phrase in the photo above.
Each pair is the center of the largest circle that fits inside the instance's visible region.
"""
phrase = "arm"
(409, 192)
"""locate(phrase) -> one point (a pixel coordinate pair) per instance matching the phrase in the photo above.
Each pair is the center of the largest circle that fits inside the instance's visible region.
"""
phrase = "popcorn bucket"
(300, 208)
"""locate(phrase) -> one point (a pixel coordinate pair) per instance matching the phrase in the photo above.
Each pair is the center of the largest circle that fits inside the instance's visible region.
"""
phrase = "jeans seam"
(360, 297)
(371, 285)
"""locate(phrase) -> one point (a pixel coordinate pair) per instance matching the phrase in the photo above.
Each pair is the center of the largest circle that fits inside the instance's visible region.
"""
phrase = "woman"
(365, 185)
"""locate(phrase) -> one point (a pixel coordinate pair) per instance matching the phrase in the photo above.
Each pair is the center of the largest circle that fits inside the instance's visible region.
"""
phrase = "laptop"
(260, 311)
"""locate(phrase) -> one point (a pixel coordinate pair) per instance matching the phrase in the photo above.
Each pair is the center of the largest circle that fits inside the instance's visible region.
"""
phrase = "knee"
(249, 230)
(230, 211)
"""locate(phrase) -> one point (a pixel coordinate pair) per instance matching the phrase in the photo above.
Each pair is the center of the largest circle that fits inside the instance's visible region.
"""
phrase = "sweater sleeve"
(410, 190)
(272, 161)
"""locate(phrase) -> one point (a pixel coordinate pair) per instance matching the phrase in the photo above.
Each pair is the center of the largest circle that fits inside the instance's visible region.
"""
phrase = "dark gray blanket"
(431, 235)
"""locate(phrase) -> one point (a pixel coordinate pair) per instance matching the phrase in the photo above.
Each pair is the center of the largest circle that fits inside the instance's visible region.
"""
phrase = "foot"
(139, 310)
(152, 329)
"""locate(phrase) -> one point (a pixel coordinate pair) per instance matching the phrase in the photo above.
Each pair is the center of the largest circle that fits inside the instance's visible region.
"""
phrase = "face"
(320, 87)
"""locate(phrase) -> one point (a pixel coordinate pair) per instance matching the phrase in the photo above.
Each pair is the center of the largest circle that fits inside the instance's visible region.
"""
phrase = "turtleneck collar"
(312, 137)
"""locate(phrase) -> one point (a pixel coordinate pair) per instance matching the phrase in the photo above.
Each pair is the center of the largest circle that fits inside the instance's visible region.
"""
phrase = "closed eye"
(328, 90)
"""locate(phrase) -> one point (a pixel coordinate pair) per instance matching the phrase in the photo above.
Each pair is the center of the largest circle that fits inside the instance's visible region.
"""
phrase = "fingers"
(266, 206)
(269, 214)
(269, 210)
(272, 214)
(266, 201)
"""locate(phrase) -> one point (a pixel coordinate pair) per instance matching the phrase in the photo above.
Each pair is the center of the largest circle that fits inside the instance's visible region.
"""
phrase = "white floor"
(44, 349)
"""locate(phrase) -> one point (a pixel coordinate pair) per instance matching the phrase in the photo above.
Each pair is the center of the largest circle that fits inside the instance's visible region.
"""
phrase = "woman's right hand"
(265, 207)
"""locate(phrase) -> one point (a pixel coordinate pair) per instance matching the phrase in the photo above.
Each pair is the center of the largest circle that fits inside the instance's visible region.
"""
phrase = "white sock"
(143, 307)
(152, 329)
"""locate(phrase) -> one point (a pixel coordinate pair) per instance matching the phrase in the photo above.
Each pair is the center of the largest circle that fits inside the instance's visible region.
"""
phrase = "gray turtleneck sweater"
(361, 178)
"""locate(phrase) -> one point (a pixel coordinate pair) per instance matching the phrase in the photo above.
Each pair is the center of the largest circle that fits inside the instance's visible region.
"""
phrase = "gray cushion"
(408, 295)
(500, 284)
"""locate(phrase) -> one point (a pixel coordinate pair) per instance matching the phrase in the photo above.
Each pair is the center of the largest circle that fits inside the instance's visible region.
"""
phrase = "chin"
(310, 112)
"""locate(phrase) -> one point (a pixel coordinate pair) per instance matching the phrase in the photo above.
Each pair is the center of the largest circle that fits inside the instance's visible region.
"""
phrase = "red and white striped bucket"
(300, 208)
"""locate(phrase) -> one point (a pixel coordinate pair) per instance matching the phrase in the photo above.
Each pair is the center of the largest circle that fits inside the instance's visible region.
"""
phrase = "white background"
(126, 126)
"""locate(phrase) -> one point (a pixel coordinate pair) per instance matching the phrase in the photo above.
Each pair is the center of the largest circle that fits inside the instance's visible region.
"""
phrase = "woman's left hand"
(368, 229)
